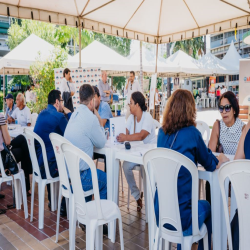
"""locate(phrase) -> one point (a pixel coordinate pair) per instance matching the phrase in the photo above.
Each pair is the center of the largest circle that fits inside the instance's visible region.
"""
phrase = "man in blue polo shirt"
(51, 120)
(102, 108)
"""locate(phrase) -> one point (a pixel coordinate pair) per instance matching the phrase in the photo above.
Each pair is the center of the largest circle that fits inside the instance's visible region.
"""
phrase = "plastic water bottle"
(16, 121)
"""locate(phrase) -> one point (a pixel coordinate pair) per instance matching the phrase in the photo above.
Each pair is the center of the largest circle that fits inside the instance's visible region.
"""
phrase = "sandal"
(139, 203)
(2, 211)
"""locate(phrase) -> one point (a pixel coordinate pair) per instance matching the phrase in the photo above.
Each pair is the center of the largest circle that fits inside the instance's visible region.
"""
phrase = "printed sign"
(79, 77)
(244, 82)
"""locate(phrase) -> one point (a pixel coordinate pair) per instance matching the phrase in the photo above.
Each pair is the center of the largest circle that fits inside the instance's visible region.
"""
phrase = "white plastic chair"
(64, 187)
(162, 167)
(31, 137)
(20, 187)
(33, 119)
(95, 213)
(205, 130)
(238, 172)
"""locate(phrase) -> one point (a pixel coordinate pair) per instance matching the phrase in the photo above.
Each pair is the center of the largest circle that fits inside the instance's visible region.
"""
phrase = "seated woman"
(140, 127)
(19, 149)
(179, 130)
(227, 131)
(243, 152)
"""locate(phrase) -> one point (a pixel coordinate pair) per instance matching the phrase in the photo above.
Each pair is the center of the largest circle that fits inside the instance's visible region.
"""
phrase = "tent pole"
(156, 76)
(3, 89)
(80, 43)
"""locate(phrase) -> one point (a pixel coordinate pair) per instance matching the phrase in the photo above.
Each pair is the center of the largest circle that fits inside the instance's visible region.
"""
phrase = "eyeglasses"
(226, 107)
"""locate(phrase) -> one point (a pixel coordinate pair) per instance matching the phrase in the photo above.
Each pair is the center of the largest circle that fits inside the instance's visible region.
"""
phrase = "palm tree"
(193, 47)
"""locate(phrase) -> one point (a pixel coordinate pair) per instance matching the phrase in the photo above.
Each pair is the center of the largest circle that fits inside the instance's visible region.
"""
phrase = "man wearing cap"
(10, 105)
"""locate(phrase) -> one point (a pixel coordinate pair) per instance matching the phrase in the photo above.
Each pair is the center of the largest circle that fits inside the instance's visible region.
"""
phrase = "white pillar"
(80, 43)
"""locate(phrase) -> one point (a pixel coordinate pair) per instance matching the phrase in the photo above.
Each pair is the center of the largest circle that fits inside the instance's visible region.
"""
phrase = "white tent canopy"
(232, 57)
(218, 67)
(148, 61)
(97, 54)
(156, 21)
(181, 64)
(19, 60)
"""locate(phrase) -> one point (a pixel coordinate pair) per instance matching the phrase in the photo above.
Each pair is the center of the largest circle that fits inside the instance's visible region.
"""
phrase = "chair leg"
(18, 193)
(128, 198)
(121, 232)
(90, 235)
(41, 195)
(58, 214)
(205, 242)
(32, 198)
(23, 185)
(156, 241)
(99, 238)
(53, 196)
(72, 224)
(67, 206)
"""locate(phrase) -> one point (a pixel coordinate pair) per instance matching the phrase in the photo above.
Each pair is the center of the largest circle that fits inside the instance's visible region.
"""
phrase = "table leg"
(218, 218)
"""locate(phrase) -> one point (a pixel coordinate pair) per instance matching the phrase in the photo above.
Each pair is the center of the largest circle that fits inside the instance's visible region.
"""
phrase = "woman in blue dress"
(179, 117)
(243, 152)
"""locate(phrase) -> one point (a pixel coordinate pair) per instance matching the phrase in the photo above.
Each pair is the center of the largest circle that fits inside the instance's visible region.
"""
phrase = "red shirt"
(218, 92)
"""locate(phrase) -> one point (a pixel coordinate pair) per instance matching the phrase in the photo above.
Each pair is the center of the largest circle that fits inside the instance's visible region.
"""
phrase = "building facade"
(219, 43)
(4, 26)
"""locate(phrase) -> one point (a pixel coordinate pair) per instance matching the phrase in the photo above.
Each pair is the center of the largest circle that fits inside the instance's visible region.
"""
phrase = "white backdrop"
(79, 77)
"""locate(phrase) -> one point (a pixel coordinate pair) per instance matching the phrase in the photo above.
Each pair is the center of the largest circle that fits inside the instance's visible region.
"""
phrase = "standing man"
(131, 87)
(104, 88)
(32, 94)
(27, 94)
(67, 89)
(10, 105)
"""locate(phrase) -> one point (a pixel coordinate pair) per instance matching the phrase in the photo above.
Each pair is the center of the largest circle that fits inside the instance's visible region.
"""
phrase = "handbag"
(219, 147)
(9, 161)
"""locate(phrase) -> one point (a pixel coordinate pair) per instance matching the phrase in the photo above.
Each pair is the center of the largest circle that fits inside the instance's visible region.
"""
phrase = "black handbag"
(9, 161)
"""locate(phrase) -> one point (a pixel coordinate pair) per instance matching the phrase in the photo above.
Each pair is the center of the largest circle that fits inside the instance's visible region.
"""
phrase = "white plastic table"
(18, 131)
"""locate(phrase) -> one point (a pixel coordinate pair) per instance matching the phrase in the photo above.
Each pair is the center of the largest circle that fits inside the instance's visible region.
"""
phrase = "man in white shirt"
(223, 90)
(131, 87)
(32, 94)
(21, 113)
(68, 87)
(27, 94)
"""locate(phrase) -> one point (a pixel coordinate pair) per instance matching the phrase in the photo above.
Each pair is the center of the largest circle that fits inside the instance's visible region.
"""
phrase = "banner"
(244, 82)
(79, 77)
(211, 90)
(152, 91)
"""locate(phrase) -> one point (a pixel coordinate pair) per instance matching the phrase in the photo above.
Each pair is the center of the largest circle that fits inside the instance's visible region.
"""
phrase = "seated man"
(103, 109)
(21, 113)
(11, 106)
(51, 120)
(105, 113)
(85, 131)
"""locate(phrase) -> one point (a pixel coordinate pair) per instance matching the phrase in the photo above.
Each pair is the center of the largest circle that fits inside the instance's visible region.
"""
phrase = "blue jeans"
(87, 184)
(204, 216)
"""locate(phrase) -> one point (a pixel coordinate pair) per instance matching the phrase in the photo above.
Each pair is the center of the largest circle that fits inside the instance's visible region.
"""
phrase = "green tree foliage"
(23, 80)
(193, 47)
(54, 34)
(119, 82)
(43, 72)
(120, 45)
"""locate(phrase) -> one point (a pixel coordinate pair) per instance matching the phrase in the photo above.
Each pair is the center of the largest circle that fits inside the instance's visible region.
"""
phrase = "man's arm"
(97, 134)
(126, 88)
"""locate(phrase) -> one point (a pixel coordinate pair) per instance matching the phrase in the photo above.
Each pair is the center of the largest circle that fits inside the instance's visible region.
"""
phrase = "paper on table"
(117, 126)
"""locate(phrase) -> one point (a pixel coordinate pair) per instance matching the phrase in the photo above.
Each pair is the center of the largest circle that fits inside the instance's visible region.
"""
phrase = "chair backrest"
(205, 130)
(157, 124)
(73, 155)
(238, 172)
(162, 167)
(33, 119)
(31, 137)
(57, 141)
